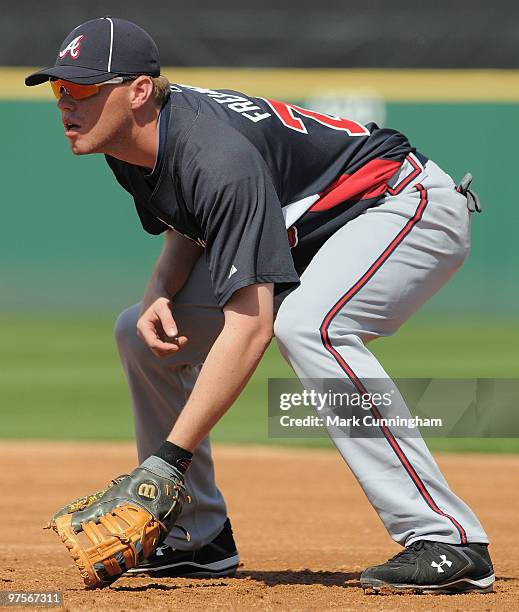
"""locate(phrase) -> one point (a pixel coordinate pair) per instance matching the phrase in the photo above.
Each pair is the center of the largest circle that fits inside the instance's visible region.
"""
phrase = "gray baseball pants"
(364, 283)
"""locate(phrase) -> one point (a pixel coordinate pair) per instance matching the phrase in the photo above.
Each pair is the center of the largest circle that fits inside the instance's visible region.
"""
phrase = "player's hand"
(157, 327)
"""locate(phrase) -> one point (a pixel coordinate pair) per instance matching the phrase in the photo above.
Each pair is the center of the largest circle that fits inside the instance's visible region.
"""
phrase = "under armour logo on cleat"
(444, 561)
(233, 270)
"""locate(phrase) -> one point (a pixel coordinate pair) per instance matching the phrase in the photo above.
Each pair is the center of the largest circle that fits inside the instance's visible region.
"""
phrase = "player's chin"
(80, 147)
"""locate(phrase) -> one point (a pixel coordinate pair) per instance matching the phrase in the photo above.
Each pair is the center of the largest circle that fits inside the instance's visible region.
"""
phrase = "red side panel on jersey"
(370, 181)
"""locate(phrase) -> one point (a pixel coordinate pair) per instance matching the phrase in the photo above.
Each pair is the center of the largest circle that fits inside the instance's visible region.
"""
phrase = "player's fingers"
(167, 321)
(161, 347)
(147, 331)
(178, 342)
(169, 347)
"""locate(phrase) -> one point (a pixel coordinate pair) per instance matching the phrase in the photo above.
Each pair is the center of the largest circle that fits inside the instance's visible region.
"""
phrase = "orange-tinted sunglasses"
(80, 92)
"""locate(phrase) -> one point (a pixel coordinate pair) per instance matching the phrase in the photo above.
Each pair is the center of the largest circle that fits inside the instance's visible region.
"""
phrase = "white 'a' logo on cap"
(73, 48)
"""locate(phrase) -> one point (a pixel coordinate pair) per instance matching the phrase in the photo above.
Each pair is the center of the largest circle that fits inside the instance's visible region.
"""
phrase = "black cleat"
(433, 567)
(218, 558)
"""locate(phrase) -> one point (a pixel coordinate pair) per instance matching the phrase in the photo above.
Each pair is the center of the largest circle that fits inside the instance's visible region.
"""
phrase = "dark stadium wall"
(352, 33)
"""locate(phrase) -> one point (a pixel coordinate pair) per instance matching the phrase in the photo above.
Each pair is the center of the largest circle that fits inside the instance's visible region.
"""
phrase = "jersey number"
(287, 115)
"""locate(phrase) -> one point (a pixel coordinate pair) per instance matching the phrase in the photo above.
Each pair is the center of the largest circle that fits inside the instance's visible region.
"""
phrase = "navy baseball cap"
(101, 49)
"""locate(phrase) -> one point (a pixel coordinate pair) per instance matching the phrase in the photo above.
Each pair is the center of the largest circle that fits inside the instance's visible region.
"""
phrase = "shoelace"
(409, 553)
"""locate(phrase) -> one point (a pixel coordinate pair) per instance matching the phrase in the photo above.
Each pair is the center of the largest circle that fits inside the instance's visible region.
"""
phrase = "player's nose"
(66, 102)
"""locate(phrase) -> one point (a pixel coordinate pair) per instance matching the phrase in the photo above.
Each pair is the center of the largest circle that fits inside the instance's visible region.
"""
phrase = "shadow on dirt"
(306, 576)
(269, 578)
(156, 586)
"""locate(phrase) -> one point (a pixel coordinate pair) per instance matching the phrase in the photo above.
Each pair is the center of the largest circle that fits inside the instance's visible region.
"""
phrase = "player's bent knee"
(300, 334)
(293, 332)
(125, 330)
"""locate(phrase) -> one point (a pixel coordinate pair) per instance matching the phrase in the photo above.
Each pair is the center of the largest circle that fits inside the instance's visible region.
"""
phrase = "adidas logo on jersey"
(232, 271)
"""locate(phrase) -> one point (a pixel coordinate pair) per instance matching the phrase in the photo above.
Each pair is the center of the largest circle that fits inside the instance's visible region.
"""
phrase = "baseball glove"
(82, 502)
(113, 530)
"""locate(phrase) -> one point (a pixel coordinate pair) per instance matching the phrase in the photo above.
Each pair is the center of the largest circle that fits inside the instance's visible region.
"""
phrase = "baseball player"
(278, 220)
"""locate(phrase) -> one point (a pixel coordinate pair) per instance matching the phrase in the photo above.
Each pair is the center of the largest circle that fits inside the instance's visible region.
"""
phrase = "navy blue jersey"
(260, 184)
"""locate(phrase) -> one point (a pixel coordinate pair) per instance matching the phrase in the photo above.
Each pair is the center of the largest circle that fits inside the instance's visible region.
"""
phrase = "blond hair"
(161, 89)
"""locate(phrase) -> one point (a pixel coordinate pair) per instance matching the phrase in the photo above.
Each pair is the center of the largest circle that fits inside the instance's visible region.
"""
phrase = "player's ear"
(140, 91)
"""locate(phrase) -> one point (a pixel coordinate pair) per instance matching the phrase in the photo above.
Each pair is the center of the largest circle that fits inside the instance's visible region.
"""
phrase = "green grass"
(61, 378)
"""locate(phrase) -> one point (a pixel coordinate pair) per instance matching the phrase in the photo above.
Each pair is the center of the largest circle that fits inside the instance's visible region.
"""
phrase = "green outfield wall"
(70, 239)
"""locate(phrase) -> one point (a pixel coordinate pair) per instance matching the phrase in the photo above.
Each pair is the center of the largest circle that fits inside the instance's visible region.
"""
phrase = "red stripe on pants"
(355, 380)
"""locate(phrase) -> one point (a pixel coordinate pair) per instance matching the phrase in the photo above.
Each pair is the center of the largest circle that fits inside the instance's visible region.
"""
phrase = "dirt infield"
(302, 524)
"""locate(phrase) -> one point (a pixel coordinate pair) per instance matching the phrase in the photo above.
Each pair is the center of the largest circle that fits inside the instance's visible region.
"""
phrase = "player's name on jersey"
(238, 104)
